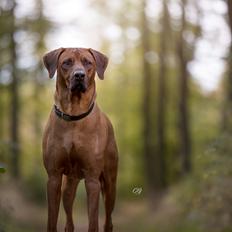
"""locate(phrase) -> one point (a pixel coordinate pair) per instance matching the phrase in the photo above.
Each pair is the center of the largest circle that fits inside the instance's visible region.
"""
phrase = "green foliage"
(204, 199)
(35, 187)
(2, 169)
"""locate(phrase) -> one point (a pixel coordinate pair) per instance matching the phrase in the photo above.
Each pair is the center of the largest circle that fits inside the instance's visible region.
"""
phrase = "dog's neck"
(74, 104)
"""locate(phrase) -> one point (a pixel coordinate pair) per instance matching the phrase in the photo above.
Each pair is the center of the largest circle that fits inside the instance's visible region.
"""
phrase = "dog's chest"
(78, 144)
(80, 152)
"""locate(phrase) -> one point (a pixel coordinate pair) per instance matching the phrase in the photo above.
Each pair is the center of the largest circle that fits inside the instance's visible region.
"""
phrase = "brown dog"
(78, 140)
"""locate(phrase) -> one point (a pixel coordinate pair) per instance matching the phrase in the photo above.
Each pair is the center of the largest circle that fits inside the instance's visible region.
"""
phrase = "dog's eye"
(67, 63)
(86, 62)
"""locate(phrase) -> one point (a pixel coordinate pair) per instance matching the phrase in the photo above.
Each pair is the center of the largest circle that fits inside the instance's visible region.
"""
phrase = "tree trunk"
(227, 111)
(161, 106)
(38, 88)
(183, 102)
(148, 152)
(37, 114)
(15, 148)
(154, 164)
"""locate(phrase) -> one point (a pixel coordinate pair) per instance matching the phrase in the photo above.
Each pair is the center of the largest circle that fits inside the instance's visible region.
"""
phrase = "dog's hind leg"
(109, 194)
(69, 187)
(108, 183)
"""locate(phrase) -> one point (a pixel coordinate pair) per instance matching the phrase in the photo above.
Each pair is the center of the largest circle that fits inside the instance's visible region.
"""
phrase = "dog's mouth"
(78, 86)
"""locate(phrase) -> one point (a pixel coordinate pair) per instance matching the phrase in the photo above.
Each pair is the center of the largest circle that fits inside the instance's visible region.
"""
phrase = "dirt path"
(128, 216)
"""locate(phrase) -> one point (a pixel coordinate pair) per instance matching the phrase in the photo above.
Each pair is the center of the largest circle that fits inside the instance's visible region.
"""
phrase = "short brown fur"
(84, 149)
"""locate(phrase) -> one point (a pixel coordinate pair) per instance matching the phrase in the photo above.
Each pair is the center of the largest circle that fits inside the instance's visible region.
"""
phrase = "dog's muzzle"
(78, 81)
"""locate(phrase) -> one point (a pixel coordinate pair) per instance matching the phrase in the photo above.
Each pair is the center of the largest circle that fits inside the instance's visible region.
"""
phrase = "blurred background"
(167, 90)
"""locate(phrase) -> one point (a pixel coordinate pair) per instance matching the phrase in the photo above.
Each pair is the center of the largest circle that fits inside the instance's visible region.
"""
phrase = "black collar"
(67, 117)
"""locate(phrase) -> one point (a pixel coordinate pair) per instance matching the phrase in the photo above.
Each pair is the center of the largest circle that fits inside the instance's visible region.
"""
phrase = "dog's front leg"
(93, 192)
(54, 195)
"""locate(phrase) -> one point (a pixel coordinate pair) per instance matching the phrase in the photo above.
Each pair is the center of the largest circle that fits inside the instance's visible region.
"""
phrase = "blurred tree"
(185, 53)
(14, 92)
(162, 93)
(40, 26)
(185, 142)
(147, 136)
(154, 161)
(4, 56)
(227, 111)
(5, 73)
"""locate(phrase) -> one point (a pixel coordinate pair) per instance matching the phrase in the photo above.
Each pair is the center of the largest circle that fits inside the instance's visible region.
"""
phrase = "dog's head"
(76, 67)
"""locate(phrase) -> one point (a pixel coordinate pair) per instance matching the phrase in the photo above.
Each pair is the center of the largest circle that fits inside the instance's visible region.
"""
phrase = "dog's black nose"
(79, 75)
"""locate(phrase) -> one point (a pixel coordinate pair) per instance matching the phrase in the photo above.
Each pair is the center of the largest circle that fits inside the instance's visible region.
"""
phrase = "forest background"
(168, 92)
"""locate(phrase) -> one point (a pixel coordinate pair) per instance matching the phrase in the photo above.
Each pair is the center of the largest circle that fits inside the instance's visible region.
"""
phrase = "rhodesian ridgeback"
(78, 141)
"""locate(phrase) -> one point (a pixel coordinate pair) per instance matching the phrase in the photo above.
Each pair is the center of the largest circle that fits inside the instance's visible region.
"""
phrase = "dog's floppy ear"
(51, 59)
(101, 62)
